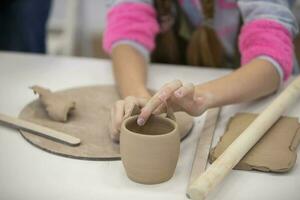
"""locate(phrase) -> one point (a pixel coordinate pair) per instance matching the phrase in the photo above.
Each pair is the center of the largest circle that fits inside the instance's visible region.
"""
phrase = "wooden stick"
(237, 150)
(204, 144)
(39, 130)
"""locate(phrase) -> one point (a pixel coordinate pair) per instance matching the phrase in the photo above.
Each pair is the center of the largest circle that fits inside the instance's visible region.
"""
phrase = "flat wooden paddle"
(39, 130)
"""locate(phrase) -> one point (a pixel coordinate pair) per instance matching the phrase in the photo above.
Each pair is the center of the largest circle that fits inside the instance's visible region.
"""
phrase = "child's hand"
(121, 110)
(178, 97)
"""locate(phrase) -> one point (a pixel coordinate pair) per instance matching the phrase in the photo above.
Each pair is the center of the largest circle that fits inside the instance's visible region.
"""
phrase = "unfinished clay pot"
(150, 153)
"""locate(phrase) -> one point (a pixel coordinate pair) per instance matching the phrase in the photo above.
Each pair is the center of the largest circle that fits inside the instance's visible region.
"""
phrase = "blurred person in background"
(23, 25)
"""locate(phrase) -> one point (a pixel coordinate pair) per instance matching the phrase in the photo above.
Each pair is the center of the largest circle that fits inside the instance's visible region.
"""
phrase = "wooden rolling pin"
(238, 149)
(39, 130)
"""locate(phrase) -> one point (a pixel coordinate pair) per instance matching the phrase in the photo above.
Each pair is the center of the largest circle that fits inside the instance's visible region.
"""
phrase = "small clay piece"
(275, 151)
(57, 106)
(150, 153)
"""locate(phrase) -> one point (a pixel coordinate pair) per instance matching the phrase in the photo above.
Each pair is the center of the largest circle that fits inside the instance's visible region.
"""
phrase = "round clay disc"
(89, 122)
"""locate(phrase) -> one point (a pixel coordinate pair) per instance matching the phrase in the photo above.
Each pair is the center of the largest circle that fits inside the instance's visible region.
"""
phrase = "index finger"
(159, 98)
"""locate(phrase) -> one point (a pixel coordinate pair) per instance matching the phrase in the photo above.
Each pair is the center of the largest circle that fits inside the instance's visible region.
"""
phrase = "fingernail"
(178, 93)
(140, 121)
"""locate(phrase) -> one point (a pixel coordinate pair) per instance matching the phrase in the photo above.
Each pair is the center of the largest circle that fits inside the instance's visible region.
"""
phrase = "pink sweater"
(269, 38)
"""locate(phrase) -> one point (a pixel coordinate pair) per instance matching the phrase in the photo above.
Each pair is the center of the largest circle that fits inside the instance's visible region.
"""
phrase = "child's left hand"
(178, 97)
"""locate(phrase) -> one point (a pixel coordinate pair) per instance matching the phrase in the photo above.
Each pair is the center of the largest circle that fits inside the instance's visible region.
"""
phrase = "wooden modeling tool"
(204, 144)
(238, 149)
(39, 130)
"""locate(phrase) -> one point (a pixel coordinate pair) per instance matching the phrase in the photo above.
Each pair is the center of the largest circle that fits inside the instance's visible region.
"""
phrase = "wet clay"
(136, 111)
(154, 126)
(88, 122)
(57, 106)
(276, 151)
(150, 152)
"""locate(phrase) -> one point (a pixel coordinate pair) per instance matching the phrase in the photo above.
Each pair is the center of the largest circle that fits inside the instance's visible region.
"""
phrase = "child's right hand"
(178, 97)
(120, 111)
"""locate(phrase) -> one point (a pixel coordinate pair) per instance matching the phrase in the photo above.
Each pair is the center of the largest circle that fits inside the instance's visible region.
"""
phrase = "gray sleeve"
(140, 48)
(278, 10)
(275, 65)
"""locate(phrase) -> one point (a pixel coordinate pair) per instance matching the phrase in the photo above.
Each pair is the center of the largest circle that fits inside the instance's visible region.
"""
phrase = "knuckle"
(188, 88)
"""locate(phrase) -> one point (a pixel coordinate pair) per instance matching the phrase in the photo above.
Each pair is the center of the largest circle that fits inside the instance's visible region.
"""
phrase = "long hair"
(167, 43)
(204, 47)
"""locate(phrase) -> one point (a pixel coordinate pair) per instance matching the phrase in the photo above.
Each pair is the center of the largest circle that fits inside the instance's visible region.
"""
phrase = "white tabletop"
(27, 172)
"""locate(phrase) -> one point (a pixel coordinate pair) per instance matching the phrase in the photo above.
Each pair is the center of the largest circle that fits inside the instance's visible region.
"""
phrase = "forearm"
(252, 81)
(130, 71)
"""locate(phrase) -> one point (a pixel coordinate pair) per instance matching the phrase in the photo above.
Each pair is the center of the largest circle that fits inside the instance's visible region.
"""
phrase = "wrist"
(209, 98)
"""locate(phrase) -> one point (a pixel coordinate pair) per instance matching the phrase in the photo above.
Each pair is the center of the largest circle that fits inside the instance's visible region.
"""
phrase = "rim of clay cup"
(143, 135)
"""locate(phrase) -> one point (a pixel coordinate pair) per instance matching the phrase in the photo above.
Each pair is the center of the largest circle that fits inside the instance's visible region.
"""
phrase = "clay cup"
(150, 153)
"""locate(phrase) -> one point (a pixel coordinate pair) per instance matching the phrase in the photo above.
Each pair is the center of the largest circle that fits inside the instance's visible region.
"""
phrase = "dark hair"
(167, 48)
(203, 48)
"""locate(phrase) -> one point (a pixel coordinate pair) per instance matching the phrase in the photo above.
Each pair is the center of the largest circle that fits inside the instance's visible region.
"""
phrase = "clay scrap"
(58, 107)
(275, 152)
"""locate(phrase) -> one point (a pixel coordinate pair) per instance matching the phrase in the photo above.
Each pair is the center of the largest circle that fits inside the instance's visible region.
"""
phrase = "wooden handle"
(237, 150)
(40, 130)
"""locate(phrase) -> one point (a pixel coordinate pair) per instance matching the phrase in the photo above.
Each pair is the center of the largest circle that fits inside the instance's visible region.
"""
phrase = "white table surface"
(27, 172)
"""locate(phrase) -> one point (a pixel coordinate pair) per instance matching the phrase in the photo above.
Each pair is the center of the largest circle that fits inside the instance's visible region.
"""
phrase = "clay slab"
(275, 152)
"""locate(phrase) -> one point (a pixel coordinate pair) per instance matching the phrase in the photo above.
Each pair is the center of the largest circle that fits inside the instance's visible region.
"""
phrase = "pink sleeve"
(270, 38)
(131, 21)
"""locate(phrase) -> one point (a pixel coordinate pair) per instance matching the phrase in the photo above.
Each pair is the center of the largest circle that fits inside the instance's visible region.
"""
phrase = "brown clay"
(276, 151)
(57, 106)
(150, 153)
